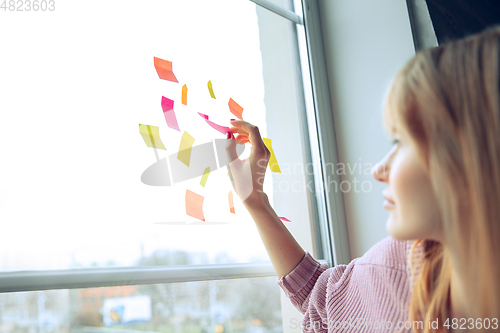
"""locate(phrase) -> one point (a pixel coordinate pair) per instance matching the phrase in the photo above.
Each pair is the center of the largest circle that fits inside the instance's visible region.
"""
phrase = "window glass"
(237, 305)
(75, 84)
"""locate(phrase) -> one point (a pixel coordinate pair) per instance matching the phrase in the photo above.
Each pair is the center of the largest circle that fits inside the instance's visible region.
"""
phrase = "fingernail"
(229, 135)
(233, 119)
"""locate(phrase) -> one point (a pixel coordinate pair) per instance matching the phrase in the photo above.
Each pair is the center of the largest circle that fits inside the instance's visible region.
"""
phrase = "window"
(77, 81)
(148, 308)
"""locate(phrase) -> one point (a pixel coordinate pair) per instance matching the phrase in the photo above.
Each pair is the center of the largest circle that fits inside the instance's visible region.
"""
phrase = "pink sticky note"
(284, 219)
(222, 129)
(168, 111)
(164, 69)
(194, 205)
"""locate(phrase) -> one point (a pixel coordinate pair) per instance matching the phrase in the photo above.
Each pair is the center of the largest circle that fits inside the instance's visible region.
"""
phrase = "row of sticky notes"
(165, 72)
(194, 205)
(151, 137)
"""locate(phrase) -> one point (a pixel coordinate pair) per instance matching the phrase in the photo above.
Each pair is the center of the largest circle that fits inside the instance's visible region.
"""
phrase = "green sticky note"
(151, 135)
(210, 89)
(205, 177)
(184, 154)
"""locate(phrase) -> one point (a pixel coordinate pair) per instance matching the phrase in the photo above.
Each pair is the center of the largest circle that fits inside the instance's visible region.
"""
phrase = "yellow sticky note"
(273, 163)
(184, 154)
(205, 176)
(184, 94)
(151, 135)
(210, 89)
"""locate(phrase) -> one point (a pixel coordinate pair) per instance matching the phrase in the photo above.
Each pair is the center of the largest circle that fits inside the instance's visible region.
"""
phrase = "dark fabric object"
(454, 19)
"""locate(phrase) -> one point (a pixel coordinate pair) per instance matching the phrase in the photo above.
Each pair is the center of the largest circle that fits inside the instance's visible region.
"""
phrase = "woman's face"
(414, 213)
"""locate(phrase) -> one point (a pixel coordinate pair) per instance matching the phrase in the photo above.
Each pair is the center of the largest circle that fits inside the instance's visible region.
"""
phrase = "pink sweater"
(371, 294)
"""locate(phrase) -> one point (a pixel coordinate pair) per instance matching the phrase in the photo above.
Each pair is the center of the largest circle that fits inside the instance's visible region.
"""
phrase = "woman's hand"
(247, 176)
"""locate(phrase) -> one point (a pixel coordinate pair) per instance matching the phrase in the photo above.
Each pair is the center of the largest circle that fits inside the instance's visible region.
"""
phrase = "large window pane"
(240, 305)
(75, 84)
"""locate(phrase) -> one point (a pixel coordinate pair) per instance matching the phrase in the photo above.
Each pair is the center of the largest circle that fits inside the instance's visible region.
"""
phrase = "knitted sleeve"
(299, 283)
(370, 289)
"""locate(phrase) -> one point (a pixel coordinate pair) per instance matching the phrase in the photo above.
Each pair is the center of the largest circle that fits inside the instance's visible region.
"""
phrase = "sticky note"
(222, 129)
(210, 89)
(273, 163)
(151, 135)
(194, 205)
(184, 154)
(205, 176)
(231, 203)
(164, 69)
(284, 219)
(184, 95)
(168, 111)
(235, 108)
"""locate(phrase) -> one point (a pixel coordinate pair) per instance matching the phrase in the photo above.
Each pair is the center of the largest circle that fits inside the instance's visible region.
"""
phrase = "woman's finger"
(231, 149)
(253, 135)
(241, 137)
(242, 124)
(238, 130)
(241, 142)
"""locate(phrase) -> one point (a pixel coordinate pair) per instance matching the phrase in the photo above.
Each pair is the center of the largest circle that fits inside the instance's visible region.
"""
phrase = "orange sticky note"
(235, 108)
(194, 205)
(231, 203)
(184, 95)
(164, 70)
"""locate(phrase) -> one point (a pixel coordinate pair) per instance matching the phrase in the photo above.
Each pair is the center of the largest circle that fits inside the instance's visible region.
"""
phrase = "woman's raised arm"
(247, 177)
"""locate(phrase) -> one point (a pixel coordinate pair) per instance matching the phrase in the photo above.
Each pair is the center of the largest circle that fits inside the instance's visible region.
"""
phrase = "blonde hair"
(447, 100)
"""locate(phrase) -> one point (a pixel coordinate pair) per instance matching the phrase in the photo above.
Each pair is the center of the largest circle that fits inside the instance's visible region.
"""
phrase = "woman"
(442, 258)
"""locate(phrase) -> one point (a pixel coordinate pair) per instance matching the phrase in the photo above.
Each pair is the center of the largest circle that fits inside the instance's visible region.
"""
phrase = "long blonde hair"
(447, 100)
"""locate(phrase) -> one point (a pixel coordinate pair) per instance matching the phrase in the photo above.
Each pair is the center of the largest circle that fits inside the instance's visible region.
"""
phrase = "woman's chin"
(396, 232)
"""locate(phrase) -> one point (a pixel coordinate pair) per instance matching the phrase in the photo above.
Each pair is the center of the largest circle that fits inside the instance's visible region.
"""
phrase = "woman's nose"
(380, 171)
